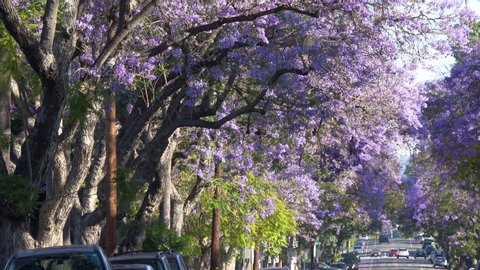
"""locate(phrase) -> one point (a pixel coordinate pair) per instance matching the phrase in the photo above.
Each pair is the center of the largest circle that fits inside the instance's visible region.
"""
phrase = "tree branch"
(22, 35)
(122, 33)
(49, 25)
(249, 108)
(243, 18)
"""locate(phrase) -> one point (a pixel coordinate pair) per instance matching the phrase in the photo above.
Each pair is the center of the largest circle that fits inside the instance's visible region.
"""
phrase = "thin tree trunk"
(215, 257)
(111, 167)
(312, 257)
(256, 258)
(229, 258)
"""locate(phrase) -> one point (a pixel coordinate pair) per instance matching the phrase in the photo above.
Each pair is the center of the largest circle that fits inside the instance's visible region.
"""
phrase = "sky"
(442, 69)
(442, 66)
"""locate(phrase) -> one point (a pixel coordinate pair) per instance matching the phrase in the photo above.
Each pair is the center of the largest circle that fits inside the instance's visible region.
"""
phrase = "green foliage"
(475, 35)
(19, 193)
(128, 190)
(13, 64)
(159, 237)
(239, 207)
(79, 105)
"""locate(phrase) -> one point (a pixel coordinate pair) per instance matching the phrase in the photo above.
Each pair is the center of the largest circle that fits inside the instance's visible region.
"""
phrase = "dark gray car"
(89, 257)
(159, 260)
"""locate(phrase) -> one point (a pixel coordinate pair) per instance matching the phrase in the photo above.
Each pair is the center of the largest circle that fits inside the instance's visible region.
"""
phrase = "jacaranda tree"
(300, 72)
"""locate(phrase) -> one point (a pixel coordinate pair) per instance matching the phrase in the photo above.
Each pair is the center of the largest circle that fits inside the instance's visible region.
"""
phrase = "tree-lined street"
(242, 134)
(385, 262)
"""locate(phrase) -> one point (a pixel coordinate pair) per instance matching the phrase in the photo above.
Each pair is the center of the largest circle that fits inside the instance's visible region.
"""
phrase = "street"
(384, 262)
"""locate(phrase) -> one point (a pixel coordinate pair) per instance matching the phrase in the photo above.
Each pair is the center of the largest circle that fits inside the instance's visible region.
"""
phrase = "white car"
(440, 261)
(363, 237)
(403, 252)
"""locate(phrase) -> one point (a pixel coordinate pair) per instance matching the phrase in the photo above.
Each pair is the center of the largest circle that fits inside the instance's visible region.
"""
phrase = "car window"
(172, 262)
(152, 263)
(75, 261)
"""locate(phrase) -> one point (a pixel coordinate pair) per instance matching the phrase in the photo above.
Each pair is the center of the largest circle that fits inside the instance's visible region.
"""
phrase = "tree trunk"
(215, 257)
(14, 236)
(256, 258)
(229, 259)
(63, 189)
(151, 202)
(166, 173)
(5, 132)
(312, 257)
(111, 167)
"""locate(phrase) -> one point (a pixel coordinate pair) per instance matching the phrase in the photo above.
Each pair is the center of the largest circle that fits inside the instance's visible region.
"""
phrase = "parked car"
(393, 253)
(89, 257)
(323, 266)
(420, 253)
(383, 238)
(376, 253)
(435, 254)
(339, 265)
(440, 261)
(403, 252)
(351, 260)
(426, 239)
(159, 260)
(357, 249)
(364, 237)
(427, 242)
(429, 249)
(131, 267)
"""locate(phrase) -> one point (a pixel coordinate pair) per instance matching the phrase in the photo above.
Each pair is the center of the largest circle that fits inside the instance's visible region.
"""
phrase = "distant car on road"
(435, 254)
(440, 261)
(89, 257)
(357, 249)
(383, 238)
(403, 252)
(376, 253)
(364, 237)
(393, 253)
(421, 253)
(429, 249)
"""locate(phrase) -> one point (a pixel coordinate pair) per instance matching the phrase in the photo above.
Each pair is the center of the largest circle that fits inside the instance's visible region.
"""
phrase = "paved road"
(392, 263)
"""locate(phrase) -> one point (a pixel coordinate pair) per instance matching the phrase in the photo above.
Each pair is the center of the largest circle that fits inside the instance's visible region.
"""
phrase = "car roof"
(144, 255)
(136, 255)
(131, 266)
(56, 250)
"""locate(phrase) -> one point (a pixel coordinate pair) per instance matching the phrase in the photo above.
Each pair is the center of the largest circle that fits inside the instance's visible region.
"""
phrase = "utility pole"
(256, 258)
(215, 256)
(111, 167)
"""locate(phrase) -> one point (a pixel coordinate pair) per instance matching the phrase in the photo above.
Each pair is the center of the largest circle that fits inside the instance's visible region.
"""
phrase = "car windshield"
(173, 263)
(75, 261)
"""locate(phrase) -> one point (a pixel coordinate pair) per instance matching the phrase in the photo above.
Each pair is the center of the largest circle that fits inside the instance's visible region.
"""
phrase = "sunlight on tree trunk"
(111, 166)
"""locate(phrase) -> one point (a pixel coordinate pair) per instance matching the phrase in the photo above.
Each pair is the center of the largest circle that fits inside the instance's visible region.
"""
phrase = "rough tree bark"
(152, 200)
(5, 131)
